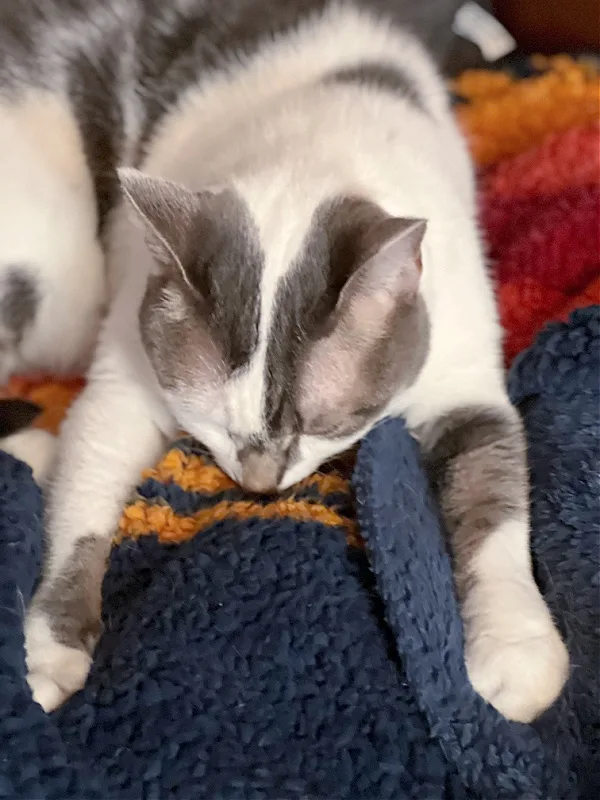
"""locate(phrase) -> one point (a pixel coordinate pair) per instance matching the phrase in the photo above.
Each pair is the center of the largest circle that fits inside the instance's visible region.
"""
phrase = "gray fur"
(476, 459)
(344, 234)
(216, 277)
(18, 302)
(101, 118)
(303, 305)
(214, 284)
(385, 77)
(72, 601)
(124, 63)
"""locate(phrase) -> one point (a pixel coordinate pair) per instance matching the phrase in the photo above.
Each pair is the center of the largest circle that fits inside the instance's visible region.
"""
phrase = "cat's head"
(276, 348)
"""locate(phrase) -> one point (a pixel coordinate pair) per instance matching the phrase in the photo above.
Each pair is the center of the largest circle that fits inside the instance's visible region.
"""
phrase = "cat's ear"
(169, 213)
(386, 278)
(374, 340)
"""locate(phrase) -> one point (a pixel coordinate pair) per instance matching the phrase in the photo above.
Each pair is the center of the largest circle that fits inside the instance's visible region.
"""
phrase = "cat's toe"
(55, 671)
(520, 677)
(61, 679)
(45, 691)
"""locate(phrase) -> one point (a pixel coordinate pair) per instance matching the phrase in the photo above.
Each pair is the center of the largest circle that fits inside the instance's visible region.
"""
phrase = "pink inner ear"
(367, 313)
(327, 379)
(389, 278)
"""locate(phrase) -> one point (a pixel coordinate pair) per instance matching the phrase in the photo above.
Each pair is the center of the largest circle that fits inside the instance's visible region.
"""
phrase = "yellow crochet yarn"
(323, 497)
(505, 116)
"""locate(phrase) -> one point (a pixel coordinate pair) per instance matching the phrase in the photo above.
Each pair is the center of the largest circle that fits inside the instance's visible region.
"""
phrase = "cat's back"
(182, 42)
(59, 117)
(122, 65)
(43, 42)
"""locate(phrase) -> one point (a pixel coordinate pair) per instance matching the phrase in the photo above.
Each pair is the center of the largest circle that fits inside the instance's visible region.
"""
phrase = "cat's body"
(297, 259)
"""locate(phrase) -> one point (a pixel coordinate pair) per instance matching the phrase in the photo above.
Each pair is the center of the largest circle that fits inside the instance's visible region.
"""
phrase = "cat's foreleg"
(476, 457)
(108, 438)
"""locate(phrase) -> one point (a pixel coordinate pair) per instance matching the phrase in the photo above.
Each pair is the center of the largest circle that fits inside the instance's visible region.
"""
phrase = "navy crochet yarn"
(267, 659)
(557, 387)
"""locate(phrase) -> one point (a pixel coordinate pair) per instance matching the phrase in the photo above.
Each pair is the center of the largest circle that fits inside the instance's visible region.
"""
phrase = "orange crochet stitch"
(507, 115)
(212, 497)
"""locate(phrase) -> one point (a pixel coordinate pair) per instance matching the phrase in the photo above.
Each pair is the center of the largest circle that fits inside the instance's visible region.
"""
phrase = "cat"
(288, 215)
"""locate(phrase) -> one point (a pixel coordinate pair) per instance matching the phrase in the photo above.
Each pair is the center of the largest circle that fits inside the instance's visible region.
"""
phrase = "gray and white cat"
(291, 255)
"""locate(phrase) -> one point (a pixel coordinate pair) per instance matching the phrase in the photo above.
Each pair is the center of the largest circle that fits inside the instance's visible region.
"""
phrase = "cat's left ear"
(373, 343)
(388, 277)
(171, 216)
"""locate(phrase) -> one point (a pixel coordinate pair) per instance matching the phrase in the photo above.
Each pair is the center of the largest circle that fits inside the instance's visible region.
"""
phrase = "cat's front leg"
(108, 438)
(477, 461)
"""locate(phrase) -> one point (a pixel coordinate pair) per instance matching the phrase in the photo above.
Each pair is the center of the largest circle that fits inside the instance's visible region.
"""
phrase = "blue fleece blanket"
(268, 659)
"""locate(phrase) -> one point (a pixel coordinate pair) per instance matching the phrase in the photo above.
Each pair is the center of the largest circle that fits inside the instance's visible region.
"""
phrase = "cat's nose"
(260, 471)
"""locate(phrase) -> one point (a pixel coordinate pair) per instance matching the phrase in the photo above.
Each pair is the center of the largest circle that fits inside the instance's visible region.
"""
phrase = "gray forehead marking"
(224, 263)
(302, 302)
(19, 301)
(305, 300)
(227, 271)
(379, 75)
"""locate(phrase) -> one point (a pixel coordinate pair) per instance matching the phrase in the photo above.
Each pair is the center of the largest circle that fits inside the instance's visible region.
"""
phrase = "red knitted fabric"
(562, 161)
(541, 212)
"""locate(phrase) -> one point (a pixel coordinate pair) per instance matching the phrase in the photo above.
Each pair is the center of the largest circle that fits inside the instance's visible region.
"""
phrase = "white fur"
(55, 671)
(48, 227)
(35, 447)
(515, 657)
(288, 142)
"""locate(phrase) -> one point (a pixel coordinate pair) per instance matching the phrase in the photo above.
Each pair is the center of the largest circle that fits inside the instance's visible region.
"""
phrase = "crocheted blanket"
(311, 646)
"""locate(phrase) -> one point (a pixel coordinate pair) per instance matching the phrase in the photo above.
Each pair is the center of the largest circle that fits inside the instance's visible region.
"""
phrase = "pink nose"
(260, 472)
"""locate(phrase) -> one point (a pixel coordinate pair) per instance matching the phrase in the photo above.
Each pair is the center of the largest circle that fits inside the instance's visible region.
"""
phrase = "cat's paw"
(517, 660)
(55, 671)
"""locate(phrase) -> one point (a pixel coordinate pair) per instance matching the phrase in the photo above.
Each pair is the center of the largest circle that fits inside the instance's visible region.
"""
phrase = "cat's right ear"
(170, 215)
(375, 340)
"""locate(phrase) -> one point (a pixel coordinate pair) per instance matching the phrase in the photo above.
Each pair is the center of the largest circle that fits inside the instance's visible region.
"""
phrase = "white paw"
(515, 657)
(55, 671)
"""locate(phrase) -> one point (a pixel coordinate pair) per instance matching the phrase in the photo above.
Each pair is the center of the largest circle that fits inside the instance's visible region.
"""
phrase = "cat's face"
(277, 352)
